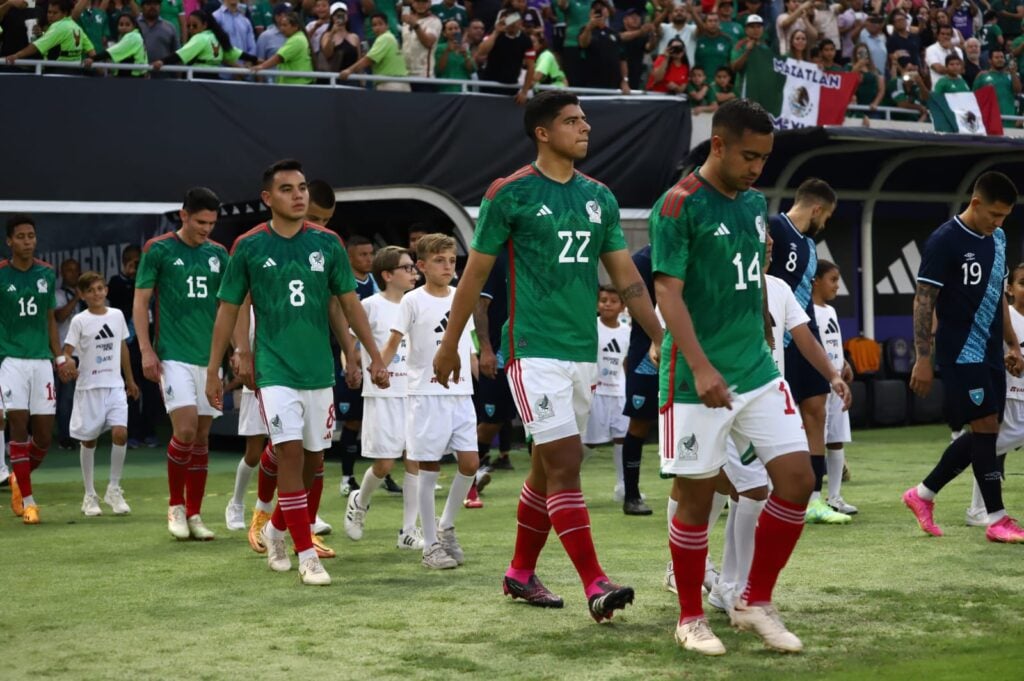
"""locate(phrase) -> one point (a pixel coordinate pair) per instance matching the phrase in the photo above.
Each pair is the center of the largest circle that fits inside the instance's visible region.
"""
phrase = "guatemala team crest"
(316, 261)
(638, 401)
(977, 396)
(594, 212)
(42, 285)
(343, 407)
(489, 410)
(214, 264)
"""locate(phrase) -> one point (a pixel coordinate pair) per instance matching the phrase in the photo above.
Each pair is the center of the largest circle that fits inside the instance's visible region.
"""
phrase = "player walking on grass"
(29, 346)
(183, 270)
(290, 268)
(556, 224)
(961, 281)
(98, 337)
(718, 378)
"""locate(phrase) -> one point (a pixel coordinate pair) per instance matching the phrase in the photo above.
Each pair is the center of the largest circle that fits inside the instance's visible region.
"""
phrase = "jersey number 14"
(752, 272)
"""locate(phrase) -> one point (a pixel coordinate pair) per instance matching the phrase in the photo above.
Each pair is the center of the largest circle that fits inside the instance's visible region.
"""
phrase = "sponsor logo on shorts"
(275, 424)
(686, 448)
(543, 408)
(977, 396)
(747, 457)
(343, 407)
(214, 264)
(638, 401)
(489, 410)
(316, 261)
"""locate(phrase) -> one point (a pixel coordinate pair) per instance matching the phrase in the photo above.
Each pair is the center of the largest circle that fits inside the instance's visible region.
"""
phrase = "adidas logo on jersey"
(613, 346)
(901, 277)
(12, 289)
(269, 263)
(722, 230)
(105, 333)
(179, 263)
(544, 210)
(832, 327)
(444, 323)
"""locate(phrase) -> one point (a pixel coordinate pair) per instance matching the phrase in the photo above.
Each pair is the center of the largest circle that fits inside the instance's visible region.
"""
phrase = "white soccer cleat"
(321, 527)
(839, 506)
(710, 575)
(312, 572)
(91, 506)
(977, 517)
(670, 578)
(277, 554)
(198, 530)
(722, 596)
(619, 493)
(411, 541)
(698, 637)
(764, 620)
(177, 525)
(436, 558)
(450, 543)
(355, 517)
(115, 499)
(234, 516)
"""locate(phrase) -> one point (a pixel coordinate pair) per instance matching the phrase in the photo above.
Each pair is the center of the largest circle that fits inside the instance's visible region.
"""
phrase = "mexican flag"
(969, 113)
(812, 97)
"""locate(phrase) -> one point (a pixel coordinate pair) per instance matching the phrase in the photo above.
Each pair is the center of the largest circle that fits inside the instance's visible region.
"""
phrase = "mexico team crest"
(42, 286)
(594, 212)
(977, 396)
(316, 261)
(214, 264)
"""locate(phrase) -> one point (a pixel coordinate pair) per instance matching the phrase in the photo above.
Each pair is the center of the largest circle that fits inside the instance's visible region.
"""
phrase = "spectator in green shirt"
(753, 62)
(389, 8)
(827, 54)
(908, 90)
(1005, 80)
(546, 70)
(1010, 13)
(990, 35)
(733, 29)
(449, 9)
(698, 91)
(130, 48)
(953, 81)
(452, 58)
(871, 89)
(262, 16)
(722, 89)
(92, 17)
(575, 14)
(384, 58)
(208, 46)
(294, 55)
(713, 46)
(64, 40)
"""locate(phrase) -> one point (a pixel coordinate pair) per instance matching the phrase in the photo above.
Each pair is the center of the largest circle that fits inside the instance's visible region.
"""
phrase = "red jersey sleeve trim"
(501, 182)
(325, 230)
(163, 237)
(673, 203)
(252, 232)
(43, 263)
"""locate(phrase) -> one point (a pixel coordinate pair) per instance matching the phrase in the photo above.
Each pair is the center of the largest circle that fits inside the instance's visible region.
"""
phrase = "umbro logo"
(12, 289)
(444, 323)
(613, 346)
(832, 327)
(544, 210)
(722, 230)
(269, 263)
(105, 333)
(179, 263)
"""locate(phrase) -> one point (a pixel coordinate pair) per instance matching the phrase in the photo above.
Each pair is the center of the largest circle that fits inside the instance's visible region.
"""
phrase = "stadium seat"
(928, 409)
(899, 358)
(888, 402)
(859, 406)
(865, 356)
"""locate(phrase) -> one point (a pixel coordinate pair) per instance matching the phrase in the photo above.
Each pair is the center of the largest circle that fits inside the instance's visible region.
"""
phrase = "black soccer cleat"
(636, 507)
(391, 486)
(533, 592)
(502, 463)
(612, 597)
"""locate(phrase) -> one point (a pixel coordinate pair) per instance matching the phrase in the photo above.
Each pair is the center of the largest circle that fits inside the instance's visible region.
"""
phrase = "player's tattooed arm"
(631, 288)
(634, 290)
(488, 362)
(924, 307)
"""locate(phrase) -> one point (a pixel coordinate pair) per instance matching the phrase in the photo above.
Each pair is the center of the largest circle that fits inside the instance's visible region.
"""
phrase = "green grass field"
(117, 598)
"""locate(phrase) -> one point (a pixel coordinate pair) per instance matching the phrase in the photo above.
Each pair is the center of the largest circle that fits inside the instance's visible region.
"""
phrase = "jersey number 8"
(298, 295)
(791, 262)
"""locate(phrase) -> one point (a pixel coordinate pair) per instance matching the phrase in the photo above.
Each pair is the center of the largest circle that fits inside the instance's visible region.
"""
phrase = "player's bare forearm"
(813, 352)
(140, 315)
(924, 306)
(126, 364)
(480, 322)
(633, 291)
(223, 325)
(240, 334)
(356, 316)
(1009, 335)
(669, 292)
(69, 350)
(467, 293)
(340, 327)
(391, 347)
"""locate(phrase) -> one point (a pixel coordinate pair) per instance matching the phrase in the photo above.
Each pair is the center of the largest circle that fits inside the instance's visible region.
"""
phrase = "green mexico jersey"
(185, 280)
(291, 281)
(26, 298)
(1002, 81)
(555, 235)
(716, 246)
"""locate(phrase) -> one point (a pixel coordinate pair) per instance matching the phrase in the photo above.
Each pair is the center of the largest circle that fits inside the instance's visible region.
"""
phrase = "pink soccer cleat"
(1005, 531)
(922, 510)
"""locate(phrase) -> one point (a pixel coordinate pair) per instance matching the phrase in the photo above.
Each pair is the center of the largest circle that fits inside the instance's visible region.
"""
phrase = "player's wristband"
(60, 360)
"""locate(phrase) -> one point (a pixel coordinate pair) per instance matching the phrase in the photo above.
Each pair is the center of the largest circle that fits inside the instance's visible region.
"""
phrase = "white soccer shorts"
(29, 384)
(606, 422)
(837, 421)
(694, 437)
(439, 424)
(1011, 430)
(744, 470)
(298, 415)
(250, 420)
(552, 396)
(96, 411)
(184, 385)
(383, 431)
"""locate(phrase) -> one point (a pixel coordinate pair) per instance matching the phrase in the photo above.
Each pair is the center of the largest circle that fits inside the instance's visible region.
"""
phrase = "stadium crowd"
(711, 50)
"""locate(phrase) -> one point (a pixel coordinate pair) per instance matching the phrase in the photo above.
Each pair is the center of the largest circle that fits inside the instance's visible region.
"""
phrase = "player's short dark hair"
(387, 259)
(724, 69)
(824, 267)
(87, 279)
(737, 116)
(430, 244)
(608, 288)
(65, 5)
(357, 240)
(377, 15)
(994, 187)
(200, 198)
(19, 219)
(989, 15)
(1015, 270)
(953, 57)
(284, 165)
(816, 190)
(130, 252)
(544, 108)
(421, 227)
(697, 68)
(825, 41)
(321, 194)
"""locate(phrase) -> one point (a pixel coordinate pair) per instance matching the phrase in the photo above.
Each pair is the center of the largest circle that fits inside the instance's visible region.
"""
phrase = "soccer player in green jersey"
(28, 344)
(291, 269)
(718, 378)
(183, 270)
(556, 224)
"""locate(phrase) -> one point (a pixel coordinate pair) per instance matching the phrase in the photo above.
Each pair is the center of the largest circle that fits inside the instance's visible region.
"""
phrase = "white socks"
(717, 505)
(425, 496)
(834, 460)
(744, 525)
(728, 573)
(927, 494)
(456, 494)
(117, 455)
(617, 460)
(265, 506)
(410, 503)
(369, 485)
(243, 474)
(671, 511)
(87, 457)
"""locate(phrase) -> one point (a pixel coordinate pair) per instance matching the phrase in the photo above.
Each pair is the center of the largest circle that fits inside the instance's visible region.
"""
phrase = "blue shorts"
(804, 380)
(493, 399)
(348, 403)
(972, 391)
(641, 396)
